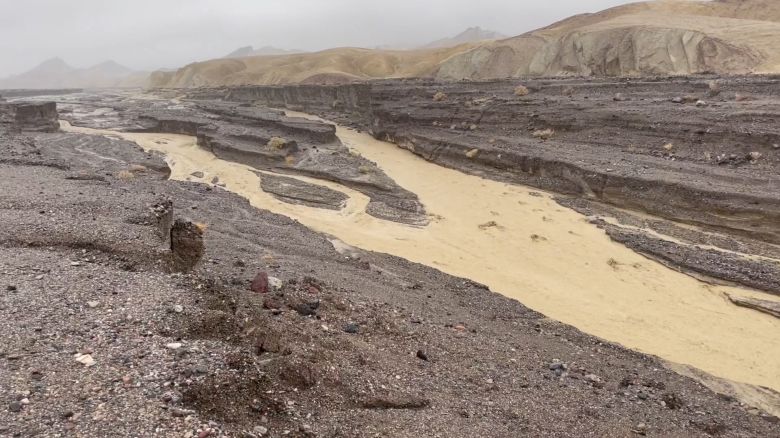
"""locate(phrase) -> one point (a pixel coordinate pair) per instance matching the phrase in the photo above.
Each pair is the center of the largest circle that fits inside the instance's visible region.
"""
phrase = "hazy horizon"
(150, 35)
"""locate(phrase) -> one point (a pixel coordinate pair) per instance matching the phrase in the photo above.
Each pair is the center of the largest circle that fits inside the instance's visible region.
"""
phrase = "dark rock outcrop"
(295, 191)
(186, 245)
(31, 116)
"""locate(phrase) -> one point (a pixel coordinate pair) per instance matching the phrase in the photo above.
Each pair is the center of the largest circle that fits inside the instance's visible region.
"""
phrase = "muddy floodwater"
(522, 244)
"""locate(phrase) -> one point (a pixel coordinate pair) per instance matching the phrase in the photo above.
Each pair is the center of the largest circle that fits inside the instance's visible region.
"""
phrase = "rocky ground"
(275, 332)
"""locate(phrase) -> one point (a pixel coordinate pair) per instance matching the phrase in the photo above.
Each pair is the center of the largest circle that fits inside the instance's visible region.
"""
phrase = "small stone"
(204, 433)
(215, 180)
(351, 328)
(677, 100)
(178, 308)
(640, 429)
(776, 146)
(754, 156)
(643, 396)
(39, 277)
(173, 345)
(85, 359)
(25, 401)
(11, 288)
(307, 309)
(93, 304)
(15, 406)
(275, 283)
(668, 146)
(178, 412)
(422, 355)
(701, 103)
(619, 97)
(556, 365)
(260, 283)
(75, 263)
(459, 327)
(594, 380)
(197, 174)
(260, 430)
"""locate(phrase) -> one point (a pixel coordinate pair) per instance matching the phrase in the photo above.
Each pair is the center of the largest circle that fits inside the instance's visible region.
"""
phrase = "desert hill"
(666, 37)
(56, 73)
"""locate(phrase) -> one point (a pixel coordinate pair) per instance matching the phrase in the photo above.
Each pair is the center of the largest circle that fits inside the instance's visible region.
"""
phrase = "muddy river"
(522, 244)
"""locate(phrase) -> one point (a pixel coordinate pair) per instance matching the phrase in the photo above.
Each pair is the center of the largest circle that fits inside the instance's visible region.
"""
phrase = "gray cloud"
(151, 34)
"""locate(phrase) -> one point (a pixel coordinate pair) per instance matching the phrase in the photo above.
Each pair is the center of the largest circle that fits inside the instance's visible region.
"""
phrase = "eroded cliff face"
(350, 98)
(602, 145)
(29, 116)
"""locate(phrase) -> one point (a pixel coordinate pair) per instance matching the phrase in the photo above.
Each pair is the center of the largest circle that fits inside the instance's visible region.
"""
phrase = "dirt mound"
(649, 38)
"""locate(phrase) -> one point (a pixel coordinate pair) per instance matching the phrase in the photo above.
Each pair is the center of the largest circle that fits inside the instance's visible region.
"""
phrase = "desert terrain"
(349, 286)
(574, 232)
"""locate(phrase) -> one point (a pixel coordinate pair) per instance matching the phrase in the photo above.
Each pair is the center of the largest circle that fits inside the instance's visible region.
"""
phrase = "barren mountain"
(666, 37)
(56, 73)
(262, 51)
(658, 37)
(470, 35)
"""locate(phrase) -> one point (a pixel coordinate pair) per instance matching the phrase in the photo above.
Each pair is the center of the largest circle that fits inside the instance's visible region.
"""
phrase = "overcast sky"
(152, 34)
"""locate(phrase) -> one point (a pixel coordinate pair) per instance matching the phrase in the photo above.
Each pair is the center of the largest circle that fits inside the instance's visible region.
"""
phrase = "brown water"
(546, 256)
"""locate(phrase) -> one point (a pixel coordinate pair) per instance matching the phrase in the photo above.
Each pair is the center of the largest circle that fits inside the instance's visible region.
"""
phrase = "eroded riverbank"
(524, 245)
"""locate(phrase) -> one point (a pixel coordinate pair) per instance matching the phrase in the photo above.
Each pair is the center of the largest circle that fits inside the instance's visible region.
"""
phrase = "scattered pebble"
(93, 304)
(422, 355)
(351, 328)
(15, 406)
(173, 345)
(85, 359)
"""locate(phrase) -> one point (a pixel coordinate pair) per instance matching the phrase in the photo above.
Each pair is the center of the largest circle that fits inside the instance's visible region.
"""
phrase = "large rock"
(34, 116)
(186, 245)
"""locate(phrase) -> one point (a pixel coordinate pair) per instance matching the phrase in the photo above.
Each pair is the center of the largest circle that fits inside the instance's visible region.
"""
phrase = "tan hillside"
(647, 38)
(661, 37)
(329, 66)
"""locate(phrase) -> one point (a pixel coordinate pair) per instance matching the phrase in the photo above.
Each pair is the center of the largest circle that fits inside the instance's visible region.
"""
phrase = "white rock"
(93, 304)
(85, 359)
(260, 430)
(173, 345)
(275, 283)
(178, 308)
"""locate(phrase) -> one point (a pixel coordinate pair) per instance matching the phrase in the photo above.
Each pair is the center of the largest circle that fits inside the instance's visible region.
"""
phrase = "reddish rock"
(260, 283)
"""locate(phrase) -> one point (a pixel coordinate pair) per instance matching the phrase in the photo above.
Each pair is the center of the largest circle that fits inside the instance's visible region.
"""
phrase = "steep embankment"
(649, 38)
